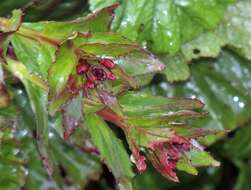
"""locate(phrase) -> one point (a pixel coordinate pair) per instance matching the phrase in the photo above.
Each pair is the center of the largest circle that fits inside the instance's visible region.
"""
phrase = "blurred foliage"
(214, 36)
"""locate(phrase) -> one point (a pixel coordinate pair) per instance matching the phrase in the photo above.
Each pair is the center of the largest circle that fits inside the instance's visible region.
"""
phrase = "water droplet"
(236, 98)
(196, 144)
(241, 104)
(164, 86)
(193, 97)
(51, 134)
(169, 33)
(19, 92)
(132, 159)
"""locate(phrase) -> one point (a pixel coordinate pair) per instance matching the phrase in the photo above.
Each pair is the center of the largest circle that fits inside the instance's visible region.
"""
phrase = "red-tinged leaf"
(4, 96)
(108, 50)
(109, 100)
(59, 31)
(138, 159)
(72, 116)
(146, 104)
(164, 158)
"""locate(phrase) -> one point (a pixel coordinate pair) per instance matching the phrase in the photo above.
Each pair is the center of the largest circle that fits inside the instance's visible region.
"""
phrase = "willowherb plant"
(61, 82)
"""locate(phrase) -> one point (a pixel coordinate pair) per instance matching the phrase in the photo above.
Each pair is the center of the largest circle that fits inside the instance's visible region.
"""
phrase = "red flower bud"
(82, 66)
(108, 63)
(89, 83)
(71, 85)
(111, 76)
(99, 73)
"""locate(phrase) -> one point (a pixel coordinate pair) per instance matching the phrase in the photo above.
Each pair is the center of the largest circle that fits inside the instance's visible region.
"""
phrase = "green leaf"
(60, 71)
(141, 66)
(110, 148)
(99, 4)
(201, 158)
(12, 171)
(143, 104)
(79, 166)
(233, 31)
(59, 31)
(144, 21)
(186, 167)
(224, 91)
(19, 70)
(37, 92)
(177, 68)
(36, 56)
(243, 180)
(239, 146)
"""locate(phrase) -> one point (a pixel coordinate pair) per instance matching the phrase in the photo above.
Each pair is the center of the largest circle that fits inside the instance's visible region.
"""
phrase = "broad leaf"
(144, 21)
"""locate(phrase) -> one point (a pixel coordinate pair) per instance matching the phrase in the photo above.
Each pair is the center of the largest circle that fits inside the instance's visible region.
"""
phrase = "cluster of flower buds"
(97, 72)
(167, 154)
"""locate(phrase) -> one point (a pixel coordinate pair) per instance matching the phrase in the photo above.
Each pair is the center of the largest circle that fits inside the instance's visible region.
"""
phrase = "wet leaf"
(183, 20)
(66, 61)
(36, 56)
(11, 165)
(233, 31)
(111, 149)
(37, 92)
(224, 91)
(238, 147)
(59, 31)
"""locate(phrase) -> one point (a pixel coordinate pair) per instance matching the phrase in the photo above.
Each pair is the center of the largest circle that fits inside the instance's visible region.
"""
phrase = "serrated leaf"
(144, 21)
(110, 148)
(224, 91)
(145, 103)
(59, 31)
(233, 31)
